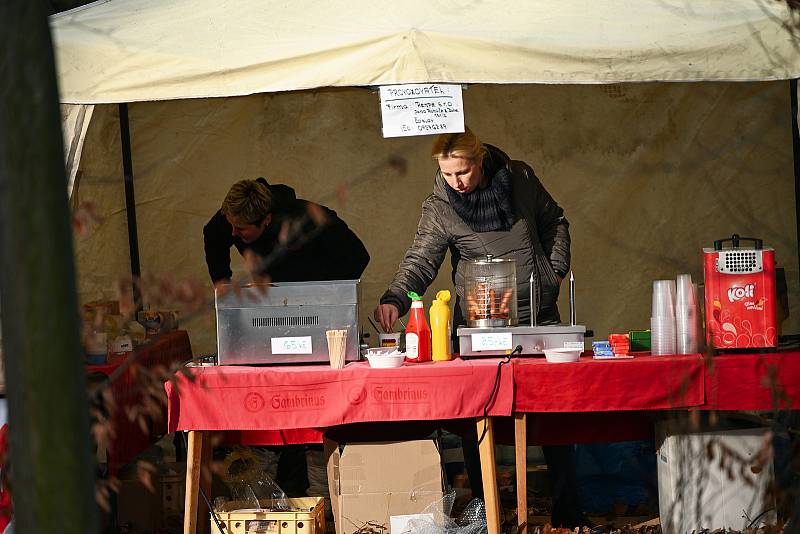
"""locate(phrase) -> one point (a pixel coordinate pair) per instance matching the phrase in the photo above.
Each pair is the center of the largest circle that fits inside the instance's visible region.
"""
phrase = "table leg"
(195, 519)
(331, 451)
(521, 455)
(491, 495)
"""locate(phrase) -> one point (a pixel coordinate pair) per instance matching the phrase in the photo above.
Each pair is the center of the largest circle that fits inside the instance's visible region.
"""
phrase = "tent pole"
(130, 202)
(796, 152)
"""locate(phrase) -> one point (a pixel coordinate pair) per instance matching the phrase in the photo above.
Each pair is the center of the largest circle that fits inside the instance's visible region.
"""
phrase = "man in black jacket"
(291, 240)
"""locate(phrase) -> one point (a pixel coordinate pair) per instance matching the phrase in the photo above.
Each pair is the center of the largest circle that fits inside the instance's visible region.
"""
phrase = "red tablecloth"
(586, 401)
(768, 381)
(296, 397)
(618, 400)
(129, 440)
(641, 383)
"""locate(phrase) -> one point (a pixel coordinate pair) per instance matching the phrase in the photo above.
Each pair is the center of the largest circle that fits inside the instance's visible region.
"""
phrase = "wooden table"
(616, 400)
(595, 398)
(167, 350)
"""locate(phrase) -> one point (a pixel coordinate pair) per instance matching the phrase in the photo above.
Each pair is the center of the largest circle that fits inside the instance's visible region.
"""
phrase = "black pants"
(561, 474)
(292, 475)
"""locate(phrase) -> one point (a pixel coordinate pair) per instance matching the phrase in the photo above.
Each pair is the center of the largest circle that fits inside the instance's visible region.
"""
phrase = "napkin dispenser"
(285, 323)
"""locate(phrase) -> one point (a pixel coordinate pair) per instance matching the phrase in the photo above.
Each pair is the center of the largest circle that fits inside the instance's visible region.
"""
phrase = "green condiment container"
(640, 340)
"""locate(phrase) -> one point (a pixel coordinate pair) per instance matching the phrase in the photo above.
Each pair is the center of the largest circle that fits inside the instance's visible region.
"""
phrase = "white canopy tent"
(141, 50)
(116, 51)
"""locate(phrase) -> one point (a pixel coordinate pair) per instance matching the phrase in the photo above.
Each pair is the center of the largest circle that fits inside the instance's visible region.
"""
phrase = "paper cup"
(389, 340)
(337, 345)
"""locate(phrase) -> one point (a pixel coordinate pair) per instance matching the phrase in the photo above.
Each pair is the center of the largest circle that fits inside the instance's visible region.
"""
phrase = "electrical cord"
(216, 519)
(506, 359)
(759, 516)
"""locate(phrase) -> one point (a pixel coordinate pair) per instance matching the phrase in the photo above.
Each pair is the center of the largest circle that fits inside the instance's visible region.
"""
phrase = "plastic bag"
(246, 474)
(472, 519)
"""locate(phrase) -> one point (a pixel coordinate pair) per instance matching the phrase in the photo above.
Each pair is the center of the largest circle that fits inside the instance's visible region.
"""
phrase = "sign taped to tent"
(421, 109)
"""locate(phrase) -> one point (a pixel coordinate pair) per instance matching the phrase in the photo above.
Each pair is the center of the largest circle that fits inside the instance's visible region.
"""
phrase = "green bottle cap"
(413, 296)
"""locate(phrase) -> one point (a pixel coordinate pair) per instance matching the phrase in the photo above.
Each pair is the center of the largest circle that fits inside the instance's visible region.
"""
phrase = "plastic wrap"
(436, 518)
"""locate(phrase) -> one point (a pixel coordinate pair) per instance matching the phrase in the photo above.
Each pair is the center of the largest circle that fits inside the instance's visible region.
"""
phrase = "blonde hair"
(458, 145)
(249, 201)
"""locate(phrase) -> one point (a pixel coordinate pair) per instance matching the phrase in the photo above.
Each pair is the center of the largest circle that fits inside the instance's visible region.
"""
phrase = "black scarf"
(490, 208)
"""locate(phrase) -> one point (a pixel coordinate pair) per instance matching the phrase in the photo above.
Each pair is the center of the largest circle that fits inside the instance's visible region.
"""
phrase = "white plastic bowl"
(562, 355)
(379, 350)
(385, 359)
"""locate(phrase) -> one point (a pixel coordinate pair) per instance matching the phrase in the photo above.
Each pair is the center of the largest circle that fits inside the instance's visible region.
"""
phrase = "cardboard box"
(138, 508)
(695, 493)
(172, 479)
(371, 482)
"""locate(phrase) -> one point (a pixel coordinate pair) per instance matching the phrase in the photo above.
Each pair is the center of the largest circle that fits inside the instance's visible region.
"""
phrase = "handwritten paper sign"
(492, 341)
(291, 345)
(421, 109)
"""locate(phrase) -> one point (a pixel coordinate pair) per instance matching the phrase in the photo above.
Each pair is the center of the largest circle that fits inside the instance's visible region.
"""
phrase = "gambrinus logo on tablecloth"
(357, 394)
(297, 400)
(253, 402)
(408, 393)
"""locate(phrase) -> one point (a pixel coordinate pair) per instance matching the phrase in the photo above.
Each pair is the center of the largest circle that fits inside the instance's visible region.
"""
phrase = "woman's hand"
(386, 315)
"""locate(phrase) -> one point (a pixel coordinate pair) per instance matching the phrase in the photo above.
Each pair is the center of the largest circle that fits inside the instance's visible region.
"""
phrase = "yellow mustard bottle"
(440, 326)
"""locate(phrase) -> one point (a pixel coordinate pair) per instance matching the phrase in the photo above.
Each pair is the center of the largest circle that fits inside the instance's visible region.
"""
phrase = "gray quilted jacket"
(539, 242)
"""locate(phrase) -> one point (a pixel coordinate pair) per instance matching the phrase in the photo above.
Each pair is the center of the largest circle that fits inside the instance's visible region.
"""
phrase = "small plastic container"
(562, 355)
(640, 340)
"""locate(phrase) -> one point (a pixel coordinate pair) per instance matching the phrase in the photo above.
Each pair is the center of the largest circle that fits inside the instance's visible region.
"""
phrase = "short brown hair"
(458, 145)
(249, 201)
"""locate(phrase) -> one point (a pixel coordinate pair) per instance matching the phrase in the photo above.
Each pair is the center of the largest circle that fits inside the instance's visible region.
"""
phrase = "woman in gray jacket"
(485, 203)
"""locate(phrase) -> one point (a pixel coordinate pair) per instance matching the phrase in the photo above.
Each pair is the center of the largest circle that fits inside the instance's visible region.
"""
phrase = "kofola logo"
(406, 393)
(293, 400)
(737, 293)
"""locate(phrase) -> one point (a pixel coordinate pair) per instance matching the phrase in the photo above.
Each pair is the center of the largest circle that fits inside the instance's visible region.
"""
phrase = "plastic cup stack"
(662, 320)
(686, 319)
(337, 344)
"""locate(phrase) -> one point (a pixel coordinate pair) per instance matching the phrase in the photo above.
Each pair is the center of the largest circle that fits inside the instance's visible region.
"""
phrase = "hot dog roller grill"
(492, 327)
(285, 323)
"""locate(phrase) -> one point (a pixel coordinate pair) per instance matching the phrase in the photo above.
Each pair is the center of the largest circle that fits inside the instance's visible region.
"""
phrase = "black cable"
(216, 519)
(759, 516)
(505, 360)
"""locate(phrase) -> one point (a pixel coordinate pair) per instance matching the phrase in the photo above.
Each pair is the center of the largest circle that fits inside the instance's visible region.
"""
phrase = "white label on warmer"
(492, 341)
(412, 345)
(291, 345)
(573, 345)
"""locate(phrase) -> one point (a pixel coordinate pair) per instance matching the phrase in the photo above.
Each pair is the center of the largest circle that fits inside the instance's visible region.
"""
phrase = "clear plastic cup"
(686, 319)
(664, 298)
(662, 335)
(684, 292)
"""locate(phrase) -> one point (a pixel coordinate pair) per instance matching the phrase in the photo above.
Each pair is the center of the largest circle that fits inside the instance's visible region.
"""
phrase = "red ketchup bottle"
(418, 333)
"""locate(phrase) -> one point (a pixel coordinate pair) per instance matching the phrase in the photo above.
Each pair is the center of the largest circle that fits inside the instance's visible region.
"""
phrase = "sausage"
(504, 303)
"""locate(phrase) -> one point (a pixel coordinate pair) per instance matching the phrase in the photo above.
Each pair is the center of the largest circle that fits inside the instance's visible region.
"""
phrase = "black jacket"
(328, 252)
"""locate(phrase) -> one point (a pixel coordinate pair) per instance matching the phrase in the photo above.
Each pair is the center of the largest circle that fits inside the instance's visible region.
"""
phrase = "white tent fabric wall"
(75, 119)
(137, 50)
(648, 174)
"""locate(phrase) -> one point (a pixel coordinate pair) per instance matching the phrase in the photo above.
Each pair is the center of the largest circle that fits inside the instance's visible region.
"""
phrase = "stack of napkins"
(620, 344)
(602, 349)
(607, 350)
